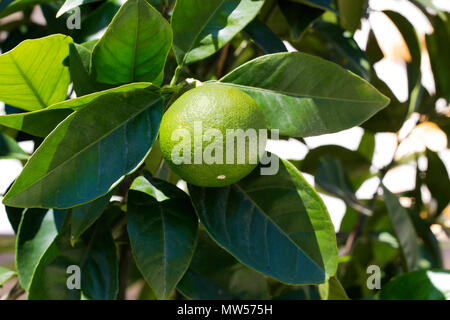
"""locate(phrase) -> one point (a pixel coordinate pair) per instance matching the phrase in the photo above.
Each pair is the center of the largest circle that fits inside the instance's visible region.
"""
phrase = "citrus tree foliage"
(96, 192)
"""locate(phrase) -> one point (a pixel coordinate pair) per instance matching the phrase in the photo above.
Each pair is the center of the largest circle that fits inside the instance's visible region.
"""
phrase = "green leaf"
(72, 4)
(330, 42)
(299, 17)
(332, 177)
(5, 275)
(276, 224)
(37, 230)
(162, 227)
(200, 31)
(353, 162)
(391, 118)
(134, 47)
(10, 6)
(373, 50)
(214, 274)
(367, 146)
(302, 95)
(34, 74)
(9, 149)
(437, 180)
(79, 65)
(88, 153)
(437, 45)
(332, 290)
(351, 12)
(85, 215)
(264, 37)
(418, 285)
(412, 41)
(95, 255)
(404, 230)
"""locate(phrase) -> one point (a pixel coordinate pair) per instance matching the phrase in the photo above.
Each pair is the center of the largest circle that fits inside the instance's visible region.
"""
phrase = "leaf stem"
(174, 80)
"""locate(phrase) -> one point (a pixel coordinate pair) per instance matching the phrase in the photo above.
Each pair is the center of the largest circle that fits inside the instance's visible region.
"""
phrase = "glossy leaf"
(418, 285)
(37, 230)
(332, 177)
(88, 154)
(350, 13)
(404, 229)
(302, 95)
(332, 290)
(34, 74)
(9, 149)
(200, 31)
(95, 255)
(162, 227)
(264, 37)
(5, 275)
(275, 224)
(134, 47)
(214, 274)
(85, 215)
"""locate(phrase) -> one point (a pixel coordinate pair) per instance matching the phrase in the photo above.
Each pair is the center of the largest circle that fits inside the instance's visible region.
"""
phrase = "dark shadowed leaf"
(134, 47)
(85, 215)
(162, 227)
(354, 163)
(439, 50)
(264, 37)
(438, 180)
(302, 95)
(95, 255)
(418, 285)
(199, 31)
(275, 224)
(323, 4)
(350, 13)
(404, 229)
(214, 274)
(299, 16)
(332, 177)
(9, 149)
(333, 43)
(37, 230)
(88, 154)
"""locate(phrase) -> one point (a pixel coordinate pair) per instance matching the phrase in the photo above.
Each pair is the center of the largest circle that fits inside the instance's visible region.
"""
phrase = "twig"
(15, 292)
(222, 59)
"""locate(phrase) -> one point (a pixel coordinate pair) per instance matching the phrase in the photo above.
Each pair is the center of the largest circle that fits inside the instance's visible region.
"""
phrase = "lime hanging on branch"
(213, 135)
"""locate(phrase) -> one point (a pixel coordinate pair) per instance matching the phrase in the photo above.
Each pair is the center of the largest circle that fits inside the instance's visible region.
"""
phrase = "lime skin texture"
(217, 107)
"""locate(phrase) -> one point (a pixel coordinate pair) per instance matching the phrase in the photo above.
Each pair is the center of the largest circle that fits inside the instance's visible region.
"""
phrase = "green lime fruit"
(208, 135)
